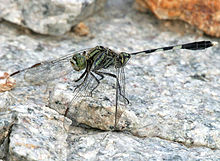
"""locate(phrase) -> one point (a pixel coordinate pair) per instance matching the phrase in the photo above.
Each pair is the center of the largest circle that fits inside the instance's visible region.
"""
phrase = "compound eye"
(78, 62)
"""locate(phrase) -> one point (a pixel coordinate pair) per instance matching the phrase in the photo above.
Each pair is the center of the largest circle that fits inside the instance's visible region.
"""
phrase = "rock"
(7, 120)
(6, 83)
(174, 96)
(48, 17)
(6, 99)
(35, 133)
(203, 14)
(113, 146)
(93, 111)
(81, 29)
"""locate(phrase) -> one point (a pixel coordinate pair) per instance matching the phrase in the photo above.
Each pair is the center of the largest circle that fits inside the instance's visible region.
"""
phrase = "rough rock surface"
(51, 17)
(174, 110)
(104, 146)
(36, 133)
(203, 14)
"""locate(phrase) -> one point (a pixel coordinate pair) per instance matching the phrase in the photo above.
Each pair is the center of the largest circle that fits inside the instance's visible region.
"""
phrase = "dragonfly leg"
(81, 76)
(114, 76)
(97, 80)
(79, 85)
(102, 76)
(67, 110)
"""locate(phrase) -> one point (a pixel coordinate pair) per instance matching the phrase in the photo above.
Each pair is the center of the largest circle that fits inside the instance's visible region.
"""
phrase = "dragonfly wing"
(81, 90)
(43, 72)
(120, 98)
(122, 93)
(47, 71)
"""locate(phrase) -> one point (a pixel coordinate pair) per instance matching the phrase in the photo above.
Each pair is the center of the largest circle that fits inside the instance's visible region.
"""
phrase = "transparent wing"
(79, 90)
(122, 92)
(47, 70)
(121, 99)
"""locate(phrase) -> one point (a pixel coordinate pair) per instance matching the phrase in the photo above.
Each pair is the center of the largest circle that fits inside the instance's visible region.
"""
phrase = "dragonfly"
(93, 63)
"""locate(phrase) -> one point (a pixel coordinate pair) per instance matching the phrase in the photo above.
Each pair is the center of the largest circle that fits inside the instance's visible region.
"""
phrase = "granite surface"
(174, 110)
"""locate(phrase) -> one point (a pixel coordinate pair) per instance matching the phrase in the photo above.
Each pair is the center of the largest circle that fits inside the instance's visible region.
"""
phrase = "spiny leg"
(82, 75)
(97, 80)
(102, 76)
(77, 86)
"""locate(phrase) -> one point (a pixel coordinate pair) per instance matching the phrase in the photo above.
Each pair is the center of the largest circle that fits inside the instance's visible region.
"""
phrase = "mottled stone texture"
(204, 14)
(33, 133)
(174, 110)
(53, 17)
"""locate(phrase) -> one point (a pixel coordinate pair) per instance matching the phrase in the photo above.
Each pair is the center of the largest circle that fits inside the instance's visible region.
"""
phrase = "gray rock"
(6, 99)
(48, 17)
(105, 146)
(35, 133)
(174, 111)
(7, 120)
(93, 111)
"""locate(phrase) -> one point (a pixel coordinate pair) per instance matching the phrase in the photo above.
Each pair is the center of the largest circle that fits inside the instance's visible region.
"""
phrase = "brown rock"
(81, 29)
(204, 14)
(6, 82)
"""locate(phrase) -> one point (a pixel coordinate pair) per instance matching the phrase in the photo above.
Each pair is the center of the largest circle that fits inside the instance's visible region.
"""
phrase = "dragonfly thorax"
(78, 62)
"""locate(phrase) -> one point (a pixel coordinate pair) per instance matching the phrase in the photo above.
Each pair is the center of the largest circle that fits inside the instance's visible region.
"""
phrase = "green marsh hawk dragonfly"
(94, 64)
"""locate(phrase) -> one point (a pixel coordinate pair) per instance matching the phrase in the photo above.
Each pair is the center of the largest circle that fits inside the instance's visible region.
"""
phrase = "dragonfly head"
(78, 62)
